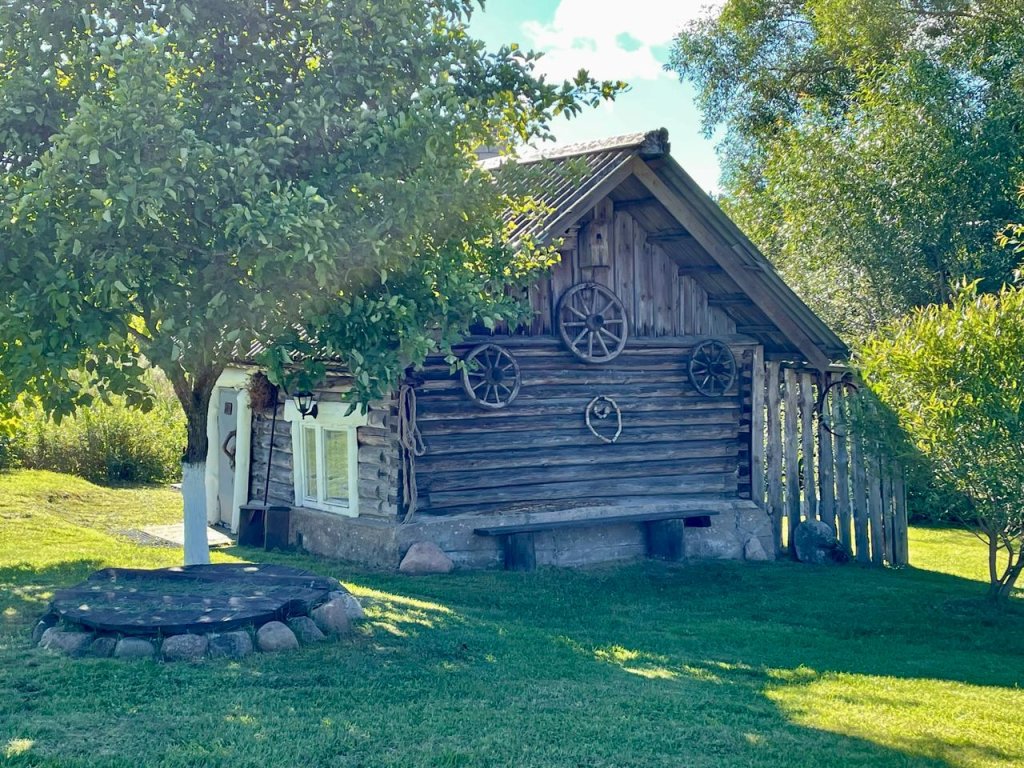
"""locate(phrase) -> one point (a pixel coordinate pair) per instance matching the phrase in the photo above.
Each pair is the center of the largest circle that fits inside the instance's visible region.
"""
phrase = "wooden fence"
(812, 465)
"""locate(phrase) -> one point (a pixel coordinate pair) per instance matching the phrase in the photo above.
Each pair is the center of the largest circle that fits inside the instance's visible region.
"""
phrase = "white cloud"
(613, 40)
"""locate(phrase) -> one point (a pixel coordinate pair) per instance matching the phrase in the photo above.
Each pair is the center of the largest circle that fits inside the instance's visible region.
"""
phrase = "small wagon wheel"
(712, 368)
(490, 376)
(592, 322)
(837, 405)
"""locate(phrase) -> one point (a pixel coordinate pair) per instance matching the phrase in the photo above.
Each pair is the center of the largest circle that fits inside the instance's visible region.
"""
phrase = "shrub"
(953, 375)
(107, 444)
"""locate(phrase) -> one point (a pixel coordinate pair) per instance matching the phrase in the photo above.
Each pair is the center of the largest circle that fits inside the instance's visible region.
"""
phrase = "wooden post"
(874, 504)
(826, 462)
(845, 515)
(860, 498)
(888, 512)
(900, 492)
(774, 448)
(791, 439)
(757, 426)
(807, 441)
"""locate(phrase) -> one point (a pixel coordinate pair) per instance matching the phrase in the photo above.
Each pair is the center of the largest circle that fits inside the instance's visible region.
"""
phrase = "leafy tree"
(953, 376)
(869, 147)
(181, 182)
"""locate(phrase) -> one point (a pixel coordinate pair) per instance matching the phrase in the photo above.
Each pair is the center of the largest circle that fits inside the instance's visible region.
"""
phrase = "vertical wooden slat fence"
(815, 467)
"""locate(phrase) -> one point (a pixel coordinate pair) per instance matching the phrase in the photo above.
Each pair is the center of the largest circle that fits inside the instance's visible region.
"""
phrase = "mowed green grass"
(644, 664)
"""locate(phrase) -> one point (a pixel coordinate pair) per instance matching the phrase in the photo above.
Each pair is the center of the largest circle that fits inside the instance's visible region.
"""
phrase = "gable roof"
(638, 173)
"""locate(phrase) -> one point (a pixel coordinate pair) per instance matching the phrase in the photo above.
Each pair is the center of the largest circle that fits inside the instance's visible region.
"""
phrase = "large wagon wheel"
(712, 368)
(837, 406)
(490, 376)
(592, 322)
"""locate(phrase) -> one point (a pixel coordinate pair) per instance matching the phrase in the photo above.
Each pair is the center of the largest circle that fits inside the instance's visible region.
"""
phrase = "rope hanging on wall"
(601, 408)
(411, 443)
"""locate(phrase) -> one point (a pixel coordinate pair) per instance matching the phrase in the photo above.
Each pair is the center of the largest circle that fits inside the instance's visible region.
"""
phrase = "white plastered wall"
(237, 379)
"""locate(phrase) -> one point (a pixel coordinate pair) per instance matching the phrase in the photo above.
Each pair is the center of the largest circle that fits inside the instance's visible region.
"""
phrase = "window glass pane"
(336, 465)
(309, 459)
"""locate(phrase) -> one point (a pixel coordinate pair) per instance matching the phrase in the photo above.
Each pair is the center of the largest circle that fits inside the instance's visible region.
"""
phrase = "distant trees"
(953, 375)
(871, 147)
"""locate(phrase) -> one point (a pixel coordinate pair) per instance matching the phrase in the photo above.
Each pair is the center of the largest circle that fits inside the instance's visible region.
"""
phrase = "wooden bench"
(663, 532)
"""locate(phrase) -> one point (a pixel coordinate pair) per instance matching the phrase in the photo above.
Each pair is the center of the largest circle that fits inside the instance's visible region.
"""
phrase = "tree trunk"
(194, 392)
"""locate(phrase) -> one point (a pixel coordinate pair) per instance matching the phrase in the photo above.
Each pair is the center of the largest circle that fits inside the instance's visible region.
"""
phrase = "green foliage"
(180, 181)
(870, 148)
(953, 375)
(107, 443)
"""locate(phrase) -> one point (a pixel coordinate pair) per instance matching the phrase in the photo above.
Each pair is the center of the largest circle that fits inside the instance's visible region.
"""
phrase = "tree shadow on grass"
(25, 591)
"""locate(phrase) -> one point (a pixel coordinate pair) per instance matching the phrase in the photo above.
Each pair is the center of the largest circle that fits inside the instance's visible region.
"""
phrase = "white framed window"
(325, 458)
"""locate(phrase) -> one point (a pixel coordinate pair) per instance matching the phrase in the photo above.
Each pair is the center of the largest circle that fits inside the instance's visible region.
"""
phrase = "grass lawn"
(645, 664)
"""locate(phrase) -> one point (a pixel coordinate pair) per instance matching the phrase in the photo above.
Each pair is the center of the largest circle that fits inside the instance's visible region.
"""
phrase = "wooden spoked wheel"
(490, 376)
(838, 405)
(592, 323)
(712, 368)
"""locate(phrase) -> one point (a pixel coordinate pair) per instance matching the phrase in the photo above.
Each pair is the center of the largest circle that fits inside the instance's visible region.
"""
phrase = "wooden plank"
(874, 505)
(900, 492)
(790, 438)
(843, 508)
(643, 284)
(594, 489)
(860, 498)
(592, 522)
(757, 427)
(826, 466)
(888, 512)
(807, 433)
(774, 451)
(625, 264)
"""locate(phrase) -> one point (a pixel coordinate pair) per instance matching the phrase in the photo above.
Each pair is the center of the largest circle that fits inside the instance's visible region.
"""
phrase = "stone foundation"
(381, 543)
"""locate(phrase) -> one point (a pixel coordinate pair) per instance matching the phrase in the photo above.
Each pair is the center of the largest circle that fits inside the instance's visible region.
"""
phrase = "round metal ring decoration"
(592, 322)
(712, 368)
(601, 409)
(837, 405)
(490, 376)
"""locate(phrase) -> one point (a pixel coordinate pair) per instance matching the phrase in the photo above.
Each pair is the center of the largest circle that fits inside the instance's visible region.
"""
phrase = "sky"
(618, 40)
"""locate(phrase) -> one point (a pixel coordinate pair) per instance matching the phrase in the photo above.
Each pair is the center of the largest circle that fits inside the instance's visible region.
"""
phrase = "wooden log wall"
(379, 459)
(538, 451)
(836, 476)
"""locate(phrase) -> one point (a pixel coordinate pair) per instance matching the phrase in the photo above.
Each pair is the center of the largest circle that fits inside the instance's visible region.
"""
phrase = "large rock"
(332, 617)
(353, 607)
(426, 557)
(306, 630)
(753, 551)
(275, 636)
(71, 643)
(47, 621)
(134, 648)
(230, 645)
(815, 542)
(103, 647)
(184, 647)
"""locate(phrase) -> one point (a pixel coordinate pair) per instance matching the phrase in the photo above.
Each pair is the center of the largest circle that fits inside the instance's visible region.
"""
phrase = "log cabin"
(618, 424)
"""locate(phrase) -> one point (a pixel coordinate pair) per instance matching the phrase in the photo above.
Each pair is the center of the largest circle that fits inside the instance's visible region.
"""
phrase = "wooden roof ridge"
(648, 144)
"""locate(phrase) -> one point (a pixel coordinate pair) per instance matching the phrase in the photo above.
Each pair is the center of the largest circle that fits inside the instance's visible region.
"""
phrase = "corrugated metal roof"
(569, 174)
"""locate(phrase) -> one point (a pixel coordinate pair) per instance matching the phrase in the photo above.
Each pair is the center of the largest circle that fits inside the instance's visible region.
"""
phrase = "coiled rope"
(411, 443)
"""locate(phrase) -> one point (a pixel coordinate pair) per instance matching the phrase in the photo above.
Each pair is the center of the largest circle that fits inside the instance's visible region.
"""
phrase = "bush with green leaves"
(107, 443)
(953, 375)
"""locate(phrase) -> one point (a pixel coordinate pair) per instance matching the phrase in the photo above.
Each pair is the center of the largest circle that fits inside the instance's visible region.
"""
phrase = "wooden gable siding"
(379, 460)
(614, 249)
(538, 451)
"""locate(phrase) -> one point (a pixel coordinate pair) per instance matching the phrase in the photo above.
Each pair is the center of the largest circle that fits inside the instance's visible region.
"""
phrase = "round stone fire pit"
(133, 612)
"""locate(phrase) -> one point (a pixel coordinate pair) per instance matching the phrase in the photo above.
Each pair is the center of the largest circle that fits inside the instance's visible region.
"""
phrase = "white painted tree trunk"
(193, 490)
